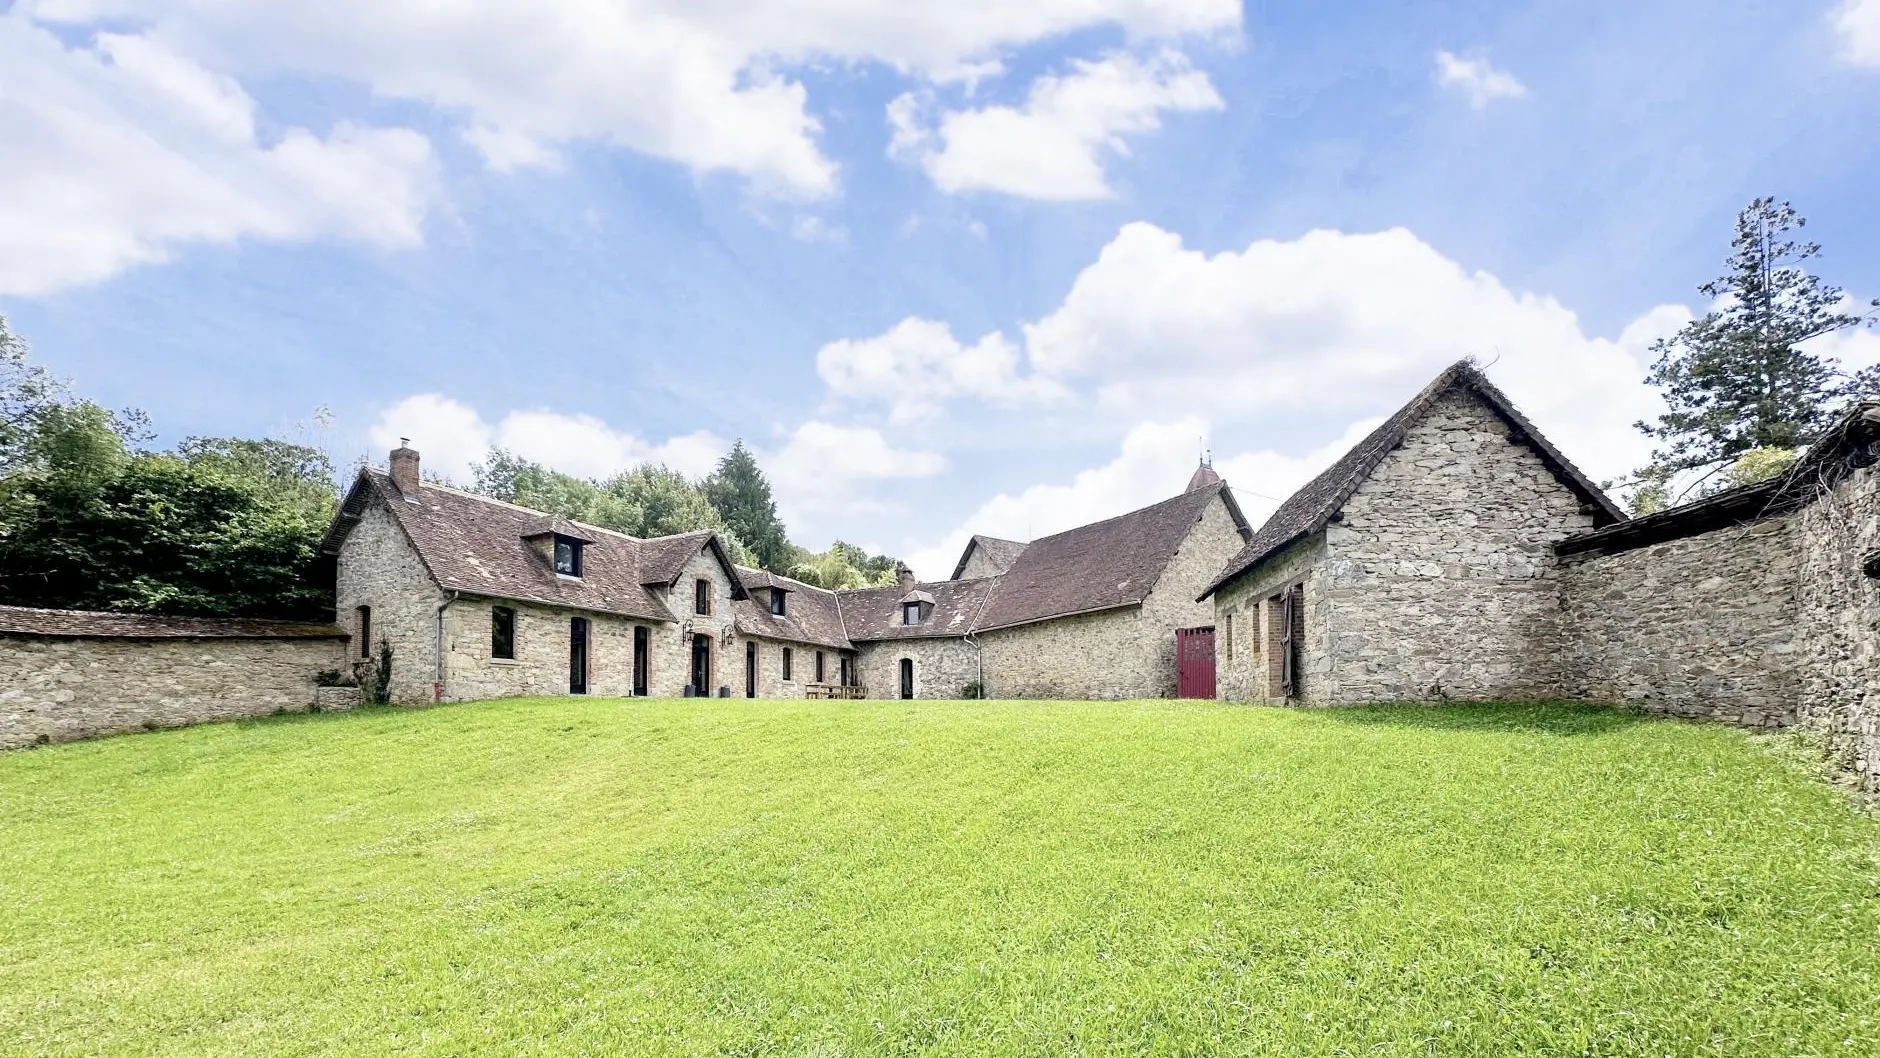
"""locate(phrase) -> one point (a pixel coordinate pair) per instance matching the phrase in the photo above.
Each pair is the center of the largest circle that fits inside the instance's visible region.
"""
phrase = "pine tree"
(742, 497)
(1738, 380)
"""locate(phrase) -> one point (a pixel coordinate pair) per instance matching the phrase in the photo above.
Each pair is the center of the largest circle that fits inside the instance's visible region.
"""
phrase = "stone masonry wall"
(542, 640)
(1122, 653)
(1249, 672)
(54, 689)
(1839, 609)
(1442, 580)
(1703, 626)
(943, 666)
(379, 568)
(979, 566)
(770, 681)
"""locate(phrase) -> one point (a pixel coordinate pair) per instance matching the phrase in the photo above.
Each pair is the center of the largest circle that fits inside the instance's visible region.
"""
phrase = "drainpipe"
(437, 688)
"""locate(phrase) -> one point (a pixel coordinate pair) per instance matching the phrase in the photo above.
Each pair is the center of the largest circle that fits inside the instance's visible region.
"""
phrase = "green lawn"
(823, 878)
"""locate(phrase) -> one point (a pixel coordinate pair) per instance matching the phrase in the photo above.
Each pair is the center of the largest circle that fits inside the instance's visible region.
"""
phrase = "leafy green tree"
(842, 567)
(89, 524)
(1739, 379)
(739, 492)
(27, 390)
(649, 500)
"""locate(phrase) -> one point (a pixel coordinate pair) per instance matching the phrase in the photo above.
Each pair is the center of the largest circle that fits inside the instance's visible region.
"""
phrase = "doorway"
(750, 670)
(1194, 662)
(907, 677)
(701, 666)
(577, 655)
(642, 659)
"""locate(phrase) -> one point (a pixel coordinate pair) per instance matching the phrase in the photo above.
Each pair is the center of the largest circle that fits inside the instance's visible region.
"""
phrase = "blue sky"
(997, 268)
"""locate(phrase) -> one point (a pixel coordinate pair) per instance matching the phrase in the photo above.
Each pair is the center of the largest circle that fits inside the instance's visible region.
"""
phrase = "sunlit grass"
(728, 877)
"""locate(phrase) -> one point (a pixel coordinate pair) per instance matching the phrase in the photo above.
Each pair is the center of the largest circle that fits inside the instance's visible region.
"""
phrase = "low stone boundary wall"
(68, 674)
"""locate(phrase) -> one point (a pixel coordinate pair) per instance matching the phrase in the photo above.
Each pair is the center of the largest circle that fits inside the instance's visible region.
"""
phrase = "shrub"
(382, 674)
(975, 689)
(334, 678)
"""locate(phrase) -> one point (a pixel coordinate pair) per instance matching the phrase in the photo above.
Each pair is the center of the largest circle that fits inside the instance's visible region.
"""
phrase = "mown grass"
(750, 878)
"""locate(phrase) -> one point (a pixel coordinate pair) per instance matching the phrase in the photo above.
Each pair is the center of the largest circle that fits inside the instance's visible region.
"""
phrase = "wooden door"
(907, 677)
(1194, 662)
(701, 666)
(642, 659)
(750, 670)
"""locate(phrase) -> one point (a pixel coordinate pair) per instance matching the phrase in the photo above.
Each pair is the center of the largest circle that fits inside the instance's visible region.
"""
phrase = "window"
(503, 633)
(567, 556)
(1227, 637)
(777, 604)
(702, 596)
(819, 666)
(364, 622)
(787, 660)
(910, 613)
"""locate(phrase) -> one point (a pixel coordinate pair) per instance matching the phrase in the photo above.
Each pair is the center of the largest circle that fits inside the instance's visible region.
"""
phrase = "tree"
(649, 500)
(741, 495)
(222, 527)
(1739, 379)
(842, 567)
(27, 390)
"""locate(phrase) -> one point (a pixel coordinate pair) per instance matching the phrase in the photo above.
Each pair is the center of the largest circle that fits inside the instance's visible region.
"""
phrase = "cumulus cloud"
(698, 83)
(1858, 22)
(452, 435)
(1345, 324)
(1052, 146)
(121, 149)
(917, 365)
(1153, 463)
(1478, 79)
(825, 470)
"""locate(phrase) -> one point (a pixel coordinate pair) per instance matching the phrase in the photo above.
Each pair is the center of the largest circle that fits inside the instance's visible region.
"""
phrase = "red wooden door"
(1194, 662)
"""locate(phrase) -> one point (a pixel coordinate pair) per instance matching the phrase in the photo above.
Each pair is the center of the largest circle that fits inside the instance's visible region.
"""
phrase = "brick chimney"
(404, 466)
(904, 578)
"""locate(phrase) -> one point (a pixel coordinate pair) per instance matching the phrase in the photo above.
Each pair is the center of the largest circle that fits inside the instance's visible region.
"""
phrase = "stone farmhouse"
(479, 599)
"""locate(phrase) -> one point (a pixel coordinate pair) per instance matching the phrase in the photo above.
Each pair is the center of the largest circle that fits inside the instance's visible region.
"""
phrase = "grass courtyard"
(831, 878)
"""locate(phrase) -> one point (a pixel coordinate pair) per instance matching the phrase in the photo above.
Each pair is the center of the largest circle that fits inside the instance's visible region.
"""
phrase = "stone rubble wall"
(1122, 653)
(1441, 579)
(379, 568)
(943, 666)
(1839, 607)
(1247, 669)
(1703, 626)
(54, 689)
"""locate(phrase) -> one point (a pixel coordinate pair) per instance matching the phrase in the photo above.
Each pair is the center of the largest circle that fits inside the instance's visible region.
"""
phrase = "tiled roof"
(813, 615)
(1100, 566)
(1311, 508)
(475, 544)
(875, 613)
(21, 620)
(1001, 553)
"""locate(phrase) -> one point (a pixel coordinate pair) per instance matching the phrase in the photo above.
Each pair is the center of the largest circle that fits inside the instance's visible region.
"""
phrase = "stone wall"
(1702, 626)
(1839, 608)
(542, 641)
(770, 681)
(1247, 670)
(979, 565)
(1442, 579)
(378, 567)
(943, 666)
(1123, 653)
(53, 689)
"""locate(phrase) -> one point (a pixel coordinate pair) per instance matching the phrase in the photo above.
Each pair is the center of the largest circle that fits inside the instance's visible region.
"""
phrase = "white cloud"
(697, 82)
(1052, 147)
(1478, 79)
(1345, 325)
(1859, 24)
(1153, 463)
(823, 468)
(119, 151)
(918, 364)
(451, 435)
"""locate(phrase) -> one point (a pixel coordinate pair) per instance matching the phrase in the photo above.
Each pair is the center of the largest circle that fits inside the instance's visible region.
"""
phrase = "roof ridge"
(1178, 497)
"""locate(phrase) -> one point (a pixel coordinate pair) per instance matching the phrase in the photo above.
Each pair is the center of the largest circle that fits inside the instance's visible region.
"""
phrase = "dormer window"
(567, 556)
(910, 613)
(777, 604)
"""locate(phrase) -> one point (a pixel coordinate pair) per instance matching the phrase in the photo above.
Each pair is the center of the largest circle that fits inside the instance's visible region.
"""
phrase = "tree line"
(93, 518)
